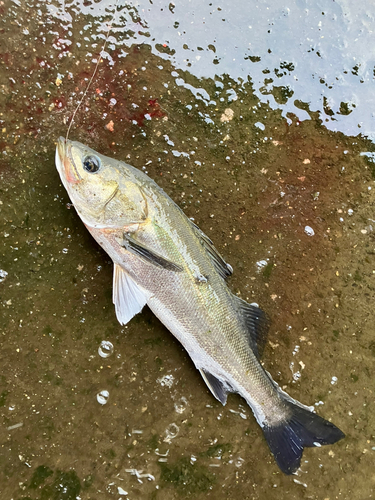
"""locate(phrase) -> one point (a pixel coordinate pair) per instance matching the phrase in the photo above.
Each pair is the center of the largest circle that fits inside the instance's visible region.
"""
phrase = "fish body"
(162, 259)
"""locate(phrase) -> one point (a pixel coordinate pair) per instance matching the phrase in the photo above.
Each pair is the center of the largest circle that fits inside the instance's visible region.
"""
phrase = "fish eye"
(91, 164)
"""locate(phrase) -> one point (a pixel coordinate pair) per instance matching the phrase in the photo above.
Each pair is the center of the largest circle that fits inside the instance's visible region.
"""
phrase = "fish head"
(104, 191)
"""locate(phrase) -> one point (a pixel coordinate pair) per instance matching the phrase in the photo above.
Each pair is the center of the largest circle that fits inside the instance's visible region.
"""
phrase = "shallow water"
(250, 122)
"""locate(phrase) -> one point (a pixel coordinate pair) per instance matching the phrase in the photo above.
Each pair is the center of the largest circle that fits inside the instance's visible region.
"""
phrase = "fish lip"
(60, 148)
(65, 163)
(60, 153)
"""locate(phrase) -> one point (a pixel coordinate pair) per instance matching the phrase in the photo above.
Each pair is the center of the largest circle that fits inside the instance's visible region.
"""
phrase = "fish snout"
(65, 163)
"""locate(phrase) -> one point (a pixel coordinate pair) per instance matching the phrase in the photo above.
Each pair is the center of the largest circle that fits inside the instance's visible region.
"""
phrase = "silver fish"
(165, 261)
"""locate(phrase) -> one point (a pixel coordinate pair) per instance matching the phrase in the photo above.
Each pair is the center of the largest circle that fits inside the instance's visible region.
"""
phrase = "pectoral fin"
(128, 297)
(148, 255)
(216, 386)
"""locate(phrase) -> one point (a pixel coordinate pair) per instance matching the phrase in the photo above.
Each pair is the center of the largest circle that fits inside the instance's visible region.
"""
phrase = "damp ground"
(288, 202)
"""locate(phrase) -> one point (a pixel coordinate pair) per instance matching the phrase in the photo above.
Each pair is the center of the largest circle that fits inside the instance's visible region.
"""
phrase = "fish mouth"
(65, 163)
(60, 154)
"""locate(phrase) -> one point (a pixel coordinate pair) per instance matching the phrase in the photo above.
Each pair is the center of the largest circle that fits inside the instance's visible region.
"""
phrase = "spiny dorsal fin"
(221, 266)
(257, 324)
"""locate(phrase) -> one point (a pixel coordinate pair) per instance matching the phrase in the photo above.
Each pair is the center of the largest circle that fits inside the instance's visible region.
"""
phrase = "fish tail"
(303, 428)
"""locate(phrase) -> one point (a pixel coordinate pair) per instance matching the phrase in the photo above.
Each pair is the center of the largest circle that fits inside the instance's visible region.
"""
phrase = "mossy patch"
(41, 473)
(153, 442)
(3, 397)
(58, 485)
(267, 271)
(153, 341)
(217, 450)
(357, 276)
(187, 478)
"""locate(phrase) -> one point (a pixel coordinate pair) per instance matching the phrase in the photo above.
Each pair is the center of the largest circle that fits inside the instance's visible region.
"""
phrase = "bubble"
(309, 231)
(296, 350)
(171, 431)
(260, 125)
(102, 397)
(166, 380)
(105, 349)
(3, 275)
(181, 405)
(334, 380)
(296, 375)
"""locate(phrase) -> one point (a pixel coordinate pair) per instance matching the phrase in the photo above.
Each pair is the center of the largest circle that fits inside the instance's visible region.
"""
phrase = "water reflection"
(302, 57)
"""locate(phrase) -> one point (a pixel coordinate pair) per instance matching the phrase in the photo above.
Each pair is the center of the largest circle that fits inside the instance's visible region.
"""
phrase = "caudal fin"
(304, 428)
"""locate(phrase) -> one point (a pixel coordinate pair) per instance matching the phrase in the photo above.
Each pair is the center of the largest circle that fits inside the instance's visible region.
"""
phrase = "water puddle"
(259, 124)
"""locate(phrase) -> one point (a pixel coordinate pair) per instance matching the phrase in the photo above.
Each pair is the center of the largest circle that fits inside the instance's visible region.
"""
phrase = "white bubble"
(334, 380)
(102, 397)
(296, 350)
(3, 275)
(296, 375)
(239, 462)
(171, 432)
(309, 231)
(166, 380)
(105, 349)
(260, 125)
(181, 405)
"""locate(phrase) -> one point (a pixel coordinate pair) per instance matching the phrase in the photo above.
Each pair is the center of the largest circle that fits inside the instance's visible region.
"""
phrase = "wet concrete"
(288, 201)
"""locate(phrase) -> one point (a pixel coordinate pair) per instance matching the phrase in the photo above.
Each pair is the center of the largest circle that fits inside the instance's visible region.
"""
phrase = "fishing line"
(95, 70)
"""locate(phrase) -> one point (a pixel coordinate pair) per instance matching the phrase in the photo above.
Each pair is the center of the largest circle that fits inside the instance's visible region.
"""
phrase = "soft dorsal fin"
(128, 297)
(216, 386)
(256, 323)
(221, 266)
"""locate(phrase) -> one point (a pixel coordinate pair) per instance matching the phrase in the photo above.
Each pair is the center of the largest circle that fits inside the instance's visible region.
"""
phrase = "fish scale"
(165, 261)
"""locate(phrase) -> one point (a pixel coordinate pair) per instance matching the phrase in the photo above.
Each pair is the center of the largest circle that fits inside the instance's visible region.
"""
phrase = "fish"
(162, 259)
